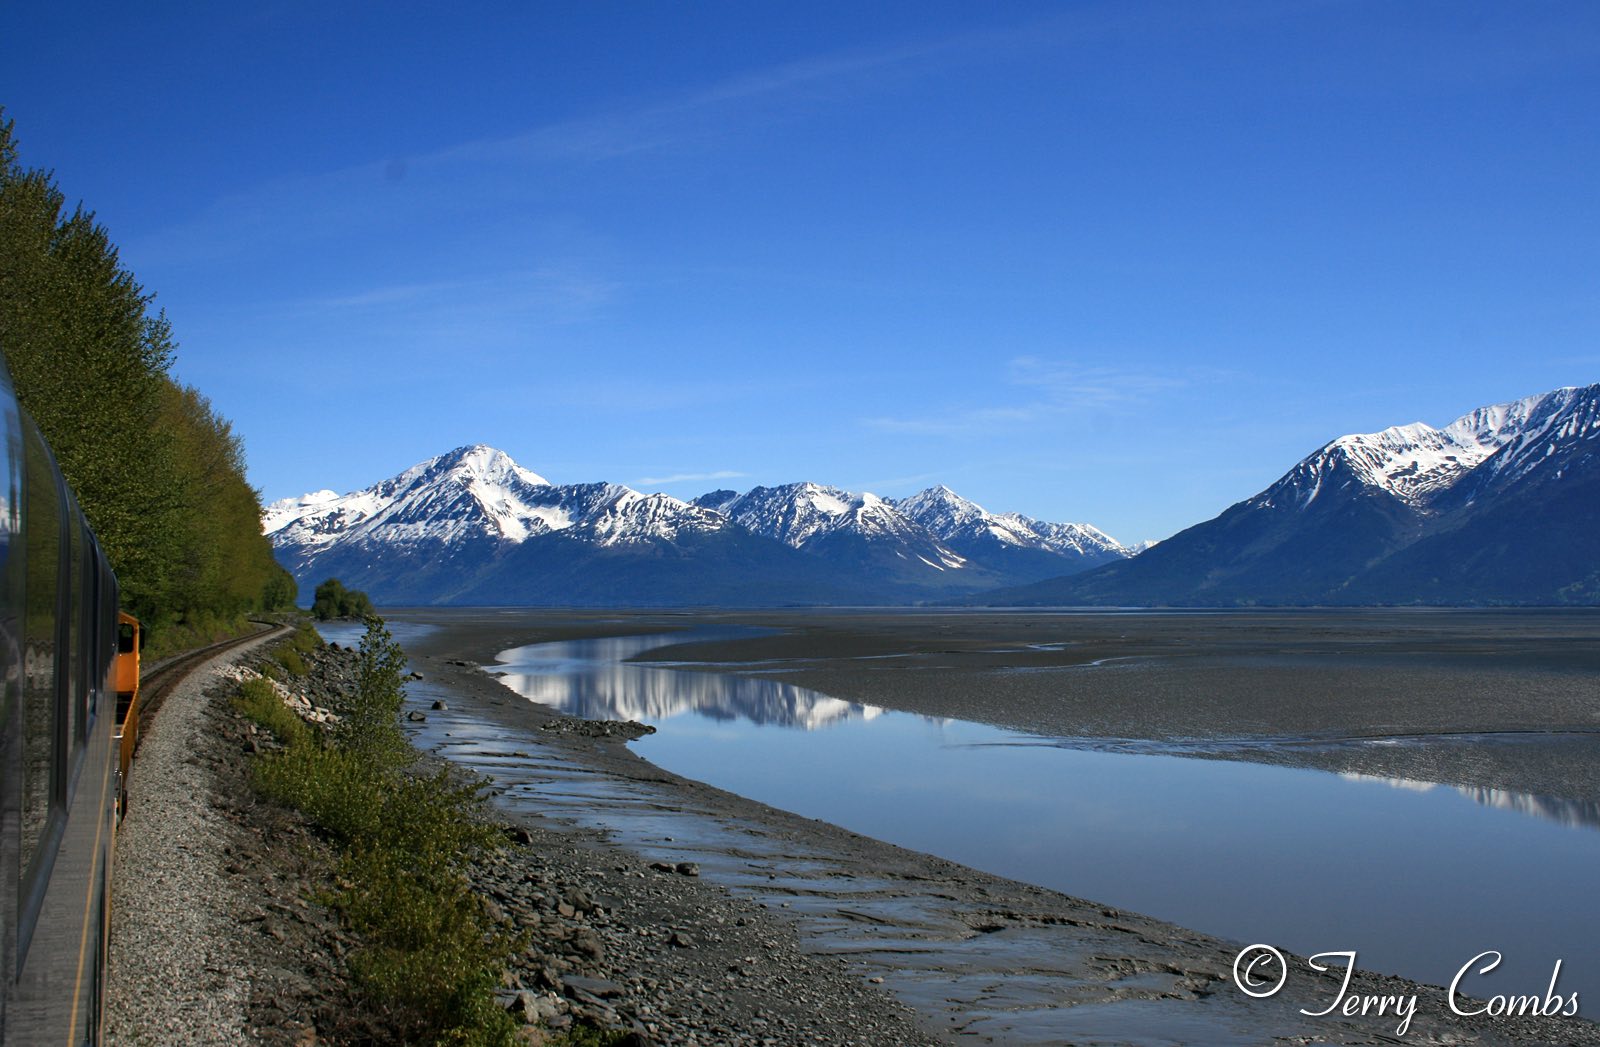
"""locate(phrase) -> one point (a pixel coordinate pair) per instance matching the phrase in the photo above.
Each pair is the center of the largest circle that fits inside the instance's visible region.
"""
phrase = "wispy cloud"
(479, 176)
(1070, 385)
(956, 423)
(692, 116)
(680, 478)
(895, 484)
(1054, 389)
(547, 287)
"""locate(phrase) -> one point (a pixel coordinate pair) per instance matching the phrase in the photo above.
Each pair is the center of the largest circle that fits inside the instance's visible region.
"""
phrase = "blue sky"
(1119, 263)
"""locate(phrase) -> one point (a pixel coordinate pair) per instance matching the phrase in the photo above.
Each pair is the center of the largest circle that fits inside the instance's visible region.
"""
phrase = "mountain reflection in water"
(593, 679)
(1575, 814)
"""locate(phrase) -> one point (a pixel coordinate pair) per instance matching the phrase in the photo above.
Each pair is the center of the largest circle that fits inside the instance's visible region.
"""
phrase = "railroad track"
(159, 680)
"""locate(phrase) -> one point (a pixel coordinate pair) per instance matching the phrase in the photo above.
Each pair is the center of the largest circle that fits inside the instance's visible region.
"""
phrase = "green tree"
(90, 363)
(333, 600)
(158, 471)
(225, 561)
(370, 724)
(280, 591)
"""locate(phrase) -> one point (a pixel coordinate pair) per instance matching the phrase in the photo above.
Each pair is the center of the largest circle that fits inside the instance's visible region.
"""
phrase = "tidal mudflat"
(1339, 691)
(1315, 688)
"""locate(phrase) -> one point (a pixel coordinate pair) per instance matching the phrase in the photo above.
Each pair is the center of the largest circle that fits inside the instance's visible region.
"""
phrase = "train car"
(58, 756)
(130, 641)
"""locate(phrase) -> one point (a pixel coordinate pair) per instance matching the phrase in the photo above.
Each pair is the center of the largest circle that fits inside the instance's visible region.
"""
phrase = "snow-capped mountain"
(1554, 434)
(802, 513)
(473, 526)
(287, 510)
(968, 527)
(470, 492)
(478, 493)
(827, 520)
(433, 532)
(1495, 507)
(1434, 471)
(1416, 463)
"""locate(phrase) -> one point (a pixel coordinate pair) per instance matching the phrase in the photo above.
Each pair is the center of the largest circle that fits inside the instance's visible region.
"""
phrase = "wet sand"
(990, 959)
(1494, 700)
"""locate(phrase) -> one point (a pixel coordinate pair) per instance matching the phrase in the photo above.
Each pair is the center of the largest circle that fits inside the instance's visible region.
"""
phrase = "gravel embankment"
(217, 938)
(180, 955)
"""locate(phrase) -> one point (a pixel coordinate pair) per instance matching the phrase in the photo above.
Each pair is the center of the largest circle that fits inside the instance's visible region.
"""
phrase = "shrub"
(289, 658)
(431, 957)
(259, 702)
(306, 638)
(589, 1036)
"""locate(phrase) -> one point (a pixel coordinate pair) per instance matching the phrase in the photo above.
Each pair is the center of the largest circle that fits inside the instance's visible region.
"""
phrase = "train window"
(71, 611)
(42, 539)
(86, 641)
(110, 599)
(11, 671)
(10, 565)
(94, 636)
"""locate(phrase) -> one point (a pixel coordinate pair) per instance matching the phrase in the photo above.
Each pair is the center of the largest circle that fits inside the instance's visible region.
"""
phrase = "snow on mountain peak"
(286, 510)
(1413, 461)
(1416, 463)
(473, 489)
(478, 492)
(493, 466)
(792, 513)
(800, 514)
(636, 517)
(939, 508)
(1535, 428)
(952, 518)
(476, 464)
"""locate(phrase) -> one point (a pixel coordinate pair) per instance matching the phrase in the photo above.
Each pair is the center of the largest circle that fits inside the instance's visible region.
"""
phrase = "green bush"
(306, 638)
(333, 788)
(431, 958)
(589, 1036)
(289, 658)
(427, 953)
(260, 703)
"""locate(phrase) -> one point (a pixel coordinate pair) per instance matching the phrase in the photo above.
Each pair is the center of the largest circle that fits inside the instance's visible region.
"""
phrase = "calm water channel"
(1418, 879)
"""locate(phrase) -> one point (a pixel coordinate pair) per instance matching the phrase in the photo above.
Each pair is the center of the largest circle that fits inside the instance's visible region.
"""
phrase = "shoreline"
(932, 676)
(977, 955)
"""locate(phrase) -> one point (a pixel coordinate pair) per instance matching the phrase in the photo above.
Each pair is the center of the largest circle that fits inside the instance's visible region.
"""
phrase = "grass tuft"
(288, 657)
(260, 703)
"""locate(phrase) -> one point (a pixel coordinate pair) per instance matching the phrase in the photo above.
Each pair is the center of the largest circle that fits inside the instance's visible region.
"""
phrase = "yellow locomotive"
(68, 724)
(129, 643)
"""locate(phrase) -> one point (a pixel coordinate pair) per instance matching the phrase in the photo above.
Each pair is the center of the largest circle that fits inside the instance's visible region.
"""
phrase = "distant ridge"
(473, 527)
(1501, 506)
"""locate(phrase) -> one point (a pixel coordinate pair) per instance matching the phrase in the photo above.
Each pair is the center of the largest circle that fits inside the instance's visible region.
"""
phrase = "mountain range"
(1498, 507)
(473, 527)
